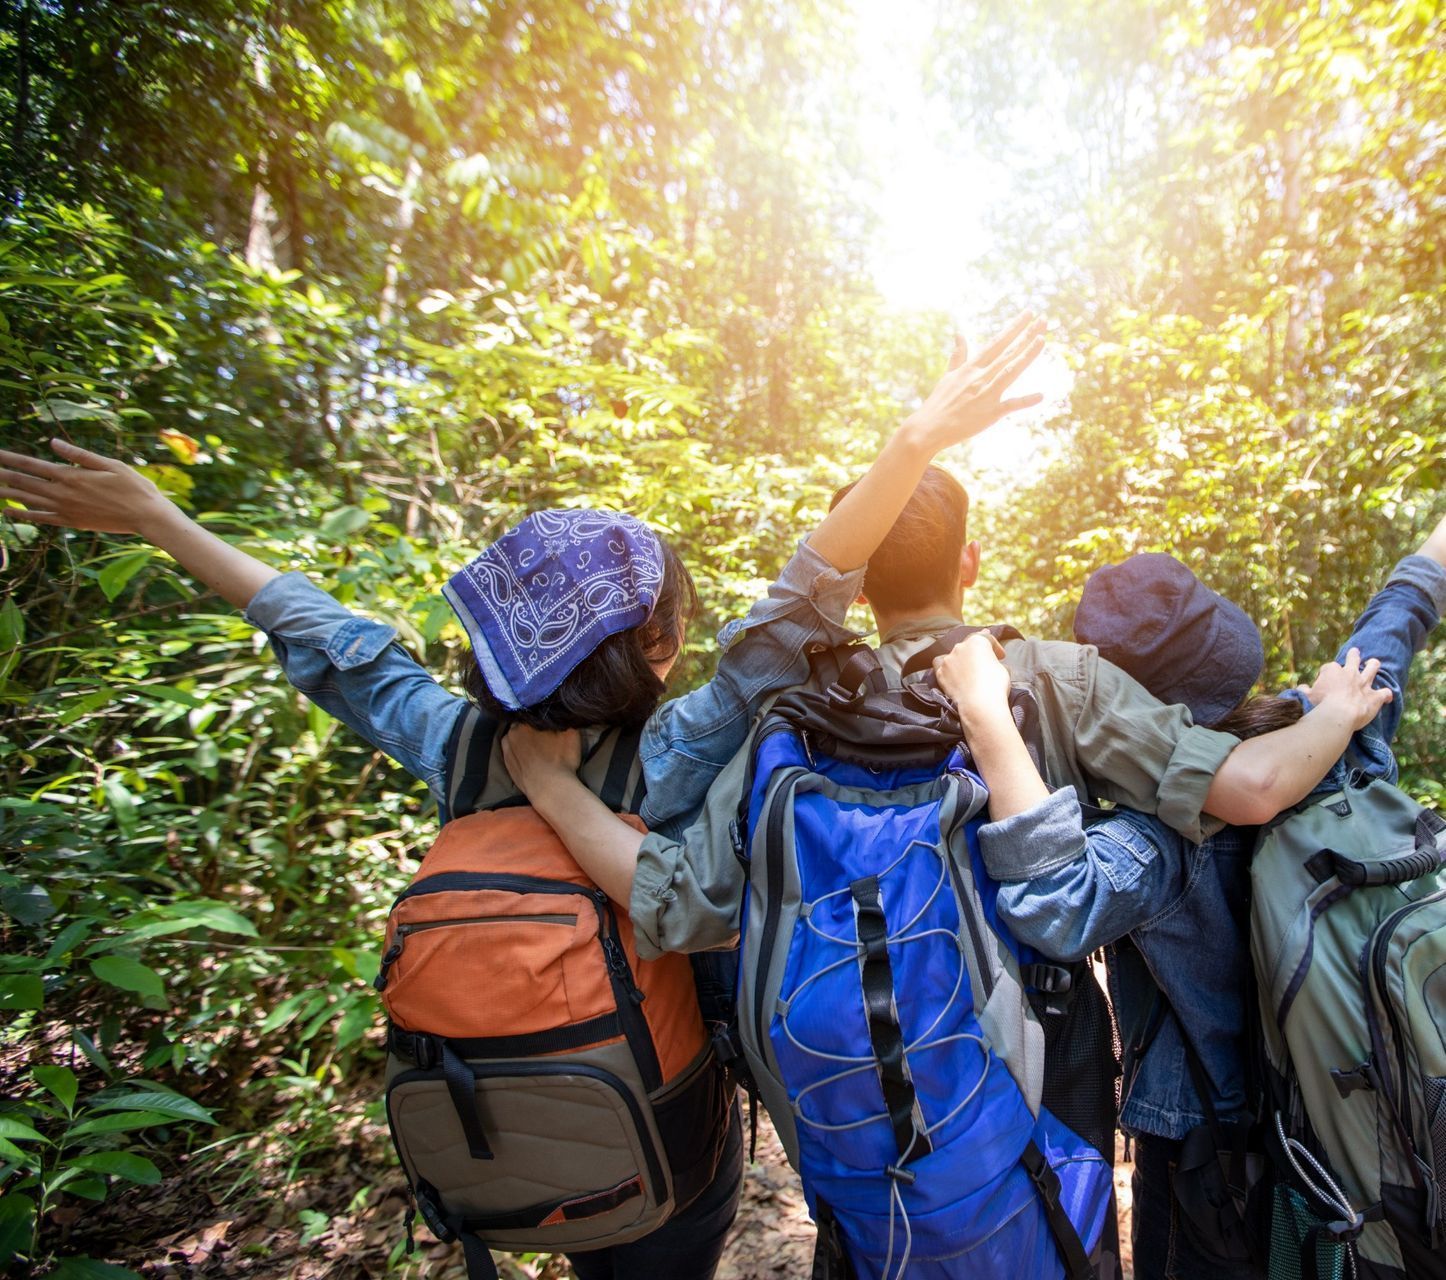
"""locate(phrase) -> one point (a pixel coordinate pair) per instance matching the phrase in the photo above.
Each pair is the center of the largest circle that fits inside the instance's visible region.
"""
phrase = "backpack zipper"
(1378, 947)
(405, 931)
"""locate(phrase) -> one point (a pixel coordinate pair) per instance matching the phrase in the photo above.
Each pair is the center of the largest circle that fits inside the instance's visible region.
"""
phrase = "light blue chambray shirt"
(354, 669)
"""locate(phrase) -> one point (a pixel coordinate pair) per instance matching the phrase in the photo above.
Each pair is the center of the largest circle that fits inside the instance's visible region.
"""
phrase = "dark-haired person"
(1172, 912)
(575, 618)
(1105, 737)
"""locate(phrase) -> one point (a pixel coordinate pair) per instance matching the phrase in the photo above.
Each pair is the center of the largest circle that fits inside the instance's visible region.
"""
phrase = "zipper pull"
(393, 951)
(617, 964)
(407, 1221)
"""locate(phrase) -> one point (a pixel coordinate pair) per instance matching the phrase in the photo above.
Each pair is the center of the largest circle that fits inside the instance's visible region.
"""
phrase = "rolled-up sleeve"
(1041, 839)
(690, 739)
(354, 669)
(687, 894)
(1125, 744)
(1128, 869)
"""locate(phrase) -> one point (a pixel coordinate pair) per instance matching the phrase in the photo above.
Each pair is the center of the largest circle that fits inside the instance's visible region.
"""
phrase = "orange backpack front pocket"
(473, 955)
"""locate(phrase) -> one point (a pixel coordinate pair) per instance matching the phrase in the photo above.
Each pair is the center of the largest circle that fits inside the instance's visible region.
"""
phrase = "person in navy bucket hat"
(1152, 617)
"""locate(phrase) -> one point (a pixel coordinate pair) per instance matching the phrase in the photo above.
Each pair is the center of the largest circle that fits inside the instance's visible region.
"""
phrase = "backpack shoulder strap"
(924, 659)
(469, 756)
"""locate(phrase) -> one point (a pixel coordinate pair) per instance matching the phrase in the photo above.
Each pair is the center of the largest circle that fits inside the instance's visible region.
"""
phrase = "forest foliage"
(361, 281)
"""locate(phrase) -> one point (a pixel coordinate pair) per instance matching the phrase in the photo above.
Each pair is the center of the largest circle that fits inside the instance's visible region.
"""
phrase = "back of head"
(567, 613)
(1152, 617)
(917, 564)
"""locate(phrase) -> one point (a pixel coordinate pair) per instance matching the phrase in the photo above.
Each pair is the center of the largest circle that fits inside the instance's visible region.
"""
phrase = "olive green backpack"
(1348, 934)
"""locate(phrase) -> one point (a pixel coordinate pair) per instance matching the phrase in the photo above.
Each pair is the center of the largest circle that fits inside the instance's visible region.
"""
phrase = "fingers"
(1001, 344)
(37, 467)
(84, 457)
(1018, 403)
(960, 355)
(1016, 364)
(27, 484)
(1368, 672)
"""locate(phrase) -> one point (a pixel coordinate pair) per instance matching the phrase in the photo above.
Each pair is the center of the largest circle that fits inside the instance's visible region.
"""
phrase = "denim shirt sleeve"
(689, 740)
(353, 668)
(1066, 890)
(1392, 628)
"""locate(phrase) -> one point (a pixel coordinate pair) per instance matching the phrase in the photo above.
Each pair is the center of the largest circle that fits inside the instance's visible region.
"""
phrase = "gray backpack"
(1348, 935)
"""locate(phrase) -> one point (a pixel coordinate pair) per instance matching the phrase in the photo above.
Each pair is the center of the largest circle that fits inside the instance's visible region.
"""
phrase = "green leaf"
(129, 975)
(157, 1100)
(343, 522)
(88, 1188)
(90, 1269)
(120, 1122)
(17, 1219)
(121, 570)
(27, 903)
(73, 411)
(60, 1081)
(122, 804)
(19, 1131)
(12, 624)
(21, 991)
(119, 1164)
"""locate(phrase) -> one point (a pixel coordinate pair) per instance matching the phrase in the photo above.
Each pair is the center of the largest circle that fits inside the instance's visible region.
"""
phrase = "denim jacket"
(1184, 906)
(354, 669)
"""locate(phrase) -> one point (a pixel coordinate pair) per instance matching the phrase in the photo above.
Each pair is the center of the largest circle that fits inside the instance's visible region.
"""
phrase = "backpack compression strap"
(1077, 1264)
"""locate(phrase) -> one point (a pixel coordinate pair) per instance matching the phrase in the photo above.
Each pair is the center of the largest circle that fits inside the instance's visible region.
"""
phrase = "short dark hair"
(614, 685)
(917, 564)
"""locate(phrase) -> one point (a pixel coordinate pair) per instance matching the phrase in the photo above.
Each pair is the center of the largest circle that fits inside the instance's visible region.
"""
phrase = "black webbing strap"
(860, 668)
(1071, 1248)
(877, 976)
(425, 1050)
(479, 1259)
(552, 1213)
(830, 1259)
(462, 1088)
(615, 783)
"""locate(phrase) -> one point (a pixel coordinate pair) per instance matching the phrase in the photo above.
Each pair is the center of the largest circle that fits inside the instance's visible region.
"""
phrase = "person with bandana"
(576, 618)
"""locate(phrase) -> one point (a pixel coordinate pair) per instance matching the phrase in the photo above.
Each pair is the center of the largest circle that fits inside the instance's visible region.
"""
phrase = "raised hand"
(1347, 689)
(92, 492)
(968, 398)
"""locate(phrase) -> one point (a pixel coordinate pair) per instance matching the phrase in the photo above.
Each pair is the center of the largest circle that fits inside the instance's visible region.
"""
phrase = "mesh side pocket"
(1081, 1067)
(1293, 1253)
(1436, 1113)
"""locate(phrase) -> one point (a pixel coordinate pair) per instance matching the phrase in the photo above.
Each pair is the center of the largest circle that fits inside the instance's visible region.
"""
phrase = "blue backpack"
(904, 1044)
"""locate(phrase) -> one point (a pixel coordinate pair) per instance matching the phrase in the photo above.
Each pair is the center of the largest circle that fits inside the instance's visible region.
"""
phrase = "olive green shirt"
(1104, 735)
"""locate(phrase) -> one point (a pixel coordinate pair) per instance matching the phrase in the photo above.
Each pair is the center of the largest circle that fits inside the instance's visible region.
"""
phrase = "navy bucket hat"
(1152, 617)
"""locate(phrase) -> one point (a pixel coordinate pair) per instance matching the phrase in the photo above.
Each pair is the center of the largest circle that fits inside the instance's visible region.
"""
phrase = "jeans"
(1164, 1247)
(688, 1245)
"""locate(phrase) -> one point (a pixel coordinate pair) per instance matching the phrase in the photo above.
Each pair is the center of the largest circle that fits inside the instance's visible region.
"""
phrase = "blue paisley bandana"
(547, 593)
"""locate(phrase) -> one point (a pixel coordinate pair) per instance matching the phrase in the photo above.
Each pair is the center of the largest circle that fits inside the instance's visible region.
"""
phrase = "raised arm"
(964, 402)
(350, 666)
(1266, 775)
(88, 491)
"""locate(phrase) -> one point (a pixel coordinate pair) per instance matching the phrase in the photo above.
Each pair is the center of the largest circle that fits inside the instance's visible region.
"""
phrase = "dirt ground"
(344, 1223)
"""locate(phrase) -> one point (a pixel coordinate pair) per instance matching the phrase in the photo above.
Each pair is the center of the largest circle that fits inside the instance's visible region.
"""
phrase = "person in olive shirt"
(1104, 735)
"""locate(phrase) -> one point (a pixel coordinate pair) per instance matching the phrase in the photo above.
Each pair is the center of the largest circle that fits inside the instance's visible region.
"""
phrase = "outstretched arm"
(88, 491)
(965, 402)
(350, 666)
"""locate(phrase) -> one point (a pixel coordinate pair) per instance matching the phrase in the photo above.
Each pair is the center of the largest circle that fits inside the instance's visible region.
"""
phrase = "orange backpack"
(546, 1089)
